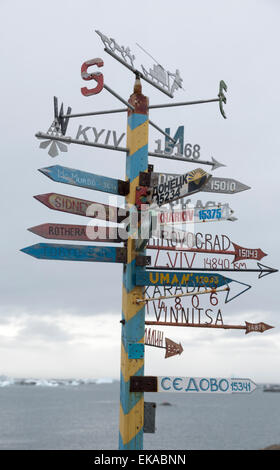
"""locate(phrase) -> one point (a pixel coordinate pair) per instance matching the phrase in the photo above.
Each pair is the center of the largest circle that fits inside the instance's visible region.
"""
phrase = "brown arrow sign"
(247, 253)
(73, 205)
(172, 348)
(248, 327)
(155, 338)
(258, 327)
(239, 252)
(77, 232)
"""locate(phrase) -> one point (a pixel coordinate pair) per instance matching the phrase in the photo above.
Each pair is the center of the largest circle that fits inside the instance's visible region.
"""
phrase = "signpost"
(171, 278)
(179, 187)
(162, 224)
(213, 162)
(85, 233)
(186, 294)
(195, 215)
(137, 189)
(165, 278)
(248, 327)
(213, 185)
(191, 384)
(262, 270)
(53, 251)
(74, 205)
(61, 174)
(239, 252)
(155, 338)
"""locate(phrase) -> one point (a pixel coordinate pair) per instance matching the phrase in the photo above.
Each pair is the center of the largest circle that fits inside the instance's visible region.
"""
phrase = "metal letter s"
(97, 76)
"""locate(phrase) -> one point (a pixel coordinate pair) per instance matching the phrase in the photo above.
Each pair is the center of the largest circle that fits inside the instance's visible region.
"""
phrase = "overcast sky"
(58, 318)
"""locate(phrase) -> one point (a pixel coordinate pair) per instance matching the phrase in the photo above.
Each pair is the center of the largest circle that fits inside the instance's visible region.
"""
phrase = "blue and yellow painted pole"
(133, 314)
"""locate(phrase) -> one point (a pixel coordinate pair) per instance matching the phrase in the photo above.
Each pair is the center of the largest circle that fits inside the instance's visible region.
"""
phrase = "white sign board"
(205, 385)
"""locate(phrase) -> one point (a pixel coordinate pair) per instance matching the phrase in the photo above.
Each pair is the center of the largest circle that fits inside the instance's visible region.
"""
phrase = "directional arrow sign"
(105, 254)
(247, 253)
(195, 215)
(172, 348)
(248, 327)
(239, 252)
(224, 186)
(179, 187)
(62, 174)
(155, 338)
(191, 384)
(213, 163)
(167, 278)
(213, 185)
(85, 233)
(193, 279)
(73, 205)
(262, 270)
(256, 327)
(163, 227)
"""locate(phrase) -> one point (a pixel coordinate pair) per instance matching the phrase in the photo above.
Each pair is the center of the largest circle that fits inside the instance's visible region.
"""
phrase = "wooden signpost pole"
(133, 314)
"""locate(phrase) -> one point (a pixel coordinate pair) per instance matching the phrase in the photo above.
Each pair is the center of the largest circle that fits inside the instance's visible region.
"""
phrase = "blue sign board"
(191, 279)
(56, 251)
(174, 278)
(62, 174)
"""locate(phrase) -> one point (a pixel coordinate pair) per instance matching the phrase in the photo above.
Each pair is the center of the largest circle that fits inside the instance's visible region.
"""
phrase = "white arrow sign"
(213, 185)
(196, 215)
(205, 385)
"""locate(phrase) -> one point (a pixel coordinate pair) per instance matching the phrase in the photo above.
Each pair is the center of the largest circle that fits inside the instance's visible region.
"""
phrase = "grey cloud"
(36, 329)
(207, 44)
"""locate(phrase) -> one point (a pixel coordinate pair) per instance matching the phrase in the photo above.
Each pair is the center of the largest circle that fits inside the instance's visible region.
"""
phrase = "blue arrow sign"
(165, 278)
(62, 174)
(54, 251)
(192, 279)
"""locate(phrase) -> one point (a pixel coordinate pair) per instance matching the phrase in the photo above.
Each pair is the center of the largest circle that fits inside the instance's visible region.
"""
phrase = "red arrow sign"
(247, 253)
(77, 232)
(258, 327)
(172, 348)
(155, 338)
(239, 252)
(73, 205)
(248, 327)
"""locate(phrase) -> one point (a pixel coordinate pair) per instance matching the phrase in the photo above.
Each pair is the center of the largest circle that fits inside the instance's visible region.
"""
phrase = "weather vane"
(162, 79)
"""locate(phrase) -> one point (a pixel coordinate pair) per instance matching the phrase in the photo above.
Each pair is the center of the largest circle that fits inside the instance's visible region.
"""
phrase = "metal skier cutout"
(163, 80)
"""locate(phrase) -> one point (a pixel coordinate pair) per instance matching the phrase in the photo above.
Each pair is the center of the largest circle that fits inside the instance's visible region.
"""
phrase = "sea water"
(84, 414)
